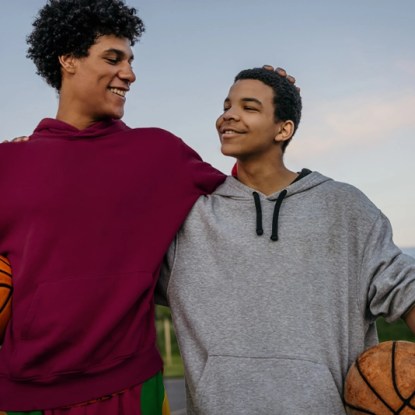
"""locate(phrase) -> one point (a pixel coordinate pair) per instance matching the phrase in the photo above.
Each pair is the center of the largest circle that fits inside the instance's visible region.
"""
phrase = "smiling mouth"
(119, 92)
(228, 131)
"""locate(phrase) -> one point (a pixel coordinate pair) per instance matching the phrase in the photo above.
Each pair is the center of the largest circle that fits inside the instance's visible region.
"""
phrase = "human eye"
(112, 58)
(112, 61)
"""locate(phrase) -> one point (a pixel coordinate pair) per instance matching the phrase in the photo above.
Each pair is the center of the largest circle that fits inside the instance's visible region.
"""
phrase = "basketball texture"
(382, 380)
(6, 291)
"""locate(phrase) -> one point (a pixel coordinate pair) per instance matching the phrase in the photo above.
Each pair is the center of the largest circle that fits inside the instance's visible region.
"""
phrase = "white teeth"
(117, 91)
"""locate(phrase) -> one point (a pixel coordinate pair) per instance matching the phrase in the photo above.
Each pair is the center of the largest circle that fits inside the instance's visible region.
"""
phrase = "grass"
(394, 331)
(175, 370)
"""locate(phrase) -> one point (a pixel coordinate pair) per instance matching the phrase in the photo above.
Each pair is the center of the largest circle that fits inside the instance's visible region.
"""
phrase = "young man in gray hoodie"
(275, 281)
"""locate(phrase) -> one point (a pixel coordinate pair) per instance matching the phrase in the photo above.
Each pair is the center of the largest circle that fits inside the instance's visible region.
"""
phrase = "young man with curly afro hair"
(92, 205)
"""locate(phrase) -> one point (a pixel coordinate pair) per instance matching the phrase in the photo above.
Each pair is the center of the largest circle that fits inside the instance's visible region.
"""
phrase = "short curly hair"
(287, 99)
(65, 27)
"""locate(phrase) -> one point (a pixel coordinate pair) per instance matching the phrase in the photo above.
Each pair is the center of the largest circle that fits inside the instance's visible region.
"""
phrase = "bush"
(394, 331)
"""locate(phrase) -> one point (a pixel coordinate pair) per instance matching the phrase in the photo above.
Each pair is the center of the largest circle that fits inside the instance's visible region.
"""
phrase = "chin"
(229, 152)
(116, 113)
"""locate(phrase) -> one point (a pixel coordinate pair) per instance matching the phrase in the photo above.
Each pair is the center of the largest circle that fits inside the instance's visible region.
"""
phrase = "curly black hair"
(287, 99)
(65, 27)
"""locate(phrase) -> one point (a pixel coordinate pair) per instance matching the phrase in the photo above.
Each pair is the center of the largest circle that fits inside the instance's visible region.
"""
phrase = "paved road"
(176, 395)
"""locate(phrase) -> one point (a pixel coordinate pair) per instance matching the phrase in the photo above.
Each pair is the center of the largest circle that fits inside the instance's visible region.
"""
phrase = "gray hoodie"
(271, 326)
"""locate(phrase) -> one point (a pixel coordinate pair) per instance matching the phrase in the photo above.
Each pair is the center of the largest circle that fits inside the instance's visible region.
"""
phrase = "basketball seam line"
(2, 271)
(4, 261)
(407, 401)
(373, 389)
(7, 300)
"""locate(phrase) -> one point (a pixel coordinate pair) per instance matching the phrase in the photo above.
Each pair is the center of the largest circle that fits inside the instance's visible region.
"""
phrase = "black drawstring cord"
(274, 233)
(278, 202)
(259, 230)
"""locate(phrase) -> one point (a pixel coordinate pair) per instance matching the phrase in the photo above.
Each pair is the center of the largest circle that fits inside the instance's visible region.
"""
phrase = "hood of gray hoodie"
(234, 189)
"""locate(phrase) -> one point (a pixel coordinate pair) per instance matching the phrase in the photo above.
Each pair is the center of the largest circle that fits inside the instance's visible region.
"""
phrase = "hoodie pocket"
(84, 325)
(279, 385)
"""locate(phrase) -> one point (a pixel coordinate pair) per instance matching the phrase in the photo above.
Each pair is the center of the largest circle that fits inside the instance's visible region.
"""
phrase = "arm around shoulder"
(204, 177)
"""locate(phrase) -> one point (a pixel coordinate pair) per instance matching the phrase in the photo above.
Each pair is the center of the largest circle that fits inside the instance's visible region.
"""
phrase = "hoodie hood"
(52, 128)
(234, 189)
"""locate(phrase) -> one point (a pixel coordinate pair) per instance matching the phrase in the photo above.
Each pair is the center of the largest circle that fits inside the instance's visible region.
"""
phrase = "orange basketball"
(382, 380)
(6, 291)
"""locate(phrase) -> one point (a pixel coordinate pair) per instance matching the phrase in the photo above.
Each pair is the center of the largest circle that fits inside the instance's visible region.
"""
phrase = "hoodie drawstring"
(275, 216)
(259, 230)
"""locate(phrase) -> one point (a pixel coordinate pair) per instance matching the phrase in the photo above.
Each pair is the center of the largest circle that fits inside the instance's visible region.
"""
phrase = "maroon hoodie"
(85, 219)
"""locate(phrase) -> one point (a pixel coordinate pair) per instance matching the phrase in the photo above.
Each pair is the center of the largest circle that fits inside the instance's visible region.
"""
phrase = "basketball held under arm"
(6, 290)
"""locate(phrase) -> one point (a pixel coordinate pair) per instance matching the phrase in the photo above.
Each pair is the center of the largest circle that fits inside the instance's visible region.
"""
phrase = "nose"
(126, 73)
(227, 115)
(230, 114)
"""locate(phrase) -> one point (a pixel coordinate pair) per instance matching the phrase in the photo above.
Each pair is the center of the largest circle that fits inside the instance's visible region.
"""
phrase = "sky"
(354, 61)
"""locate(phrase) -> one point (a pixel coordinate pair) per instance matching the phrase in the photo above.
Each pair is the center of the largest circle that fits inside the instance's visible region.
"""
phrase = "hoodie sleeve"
(165, 273)
(202, 175)
(387, 274)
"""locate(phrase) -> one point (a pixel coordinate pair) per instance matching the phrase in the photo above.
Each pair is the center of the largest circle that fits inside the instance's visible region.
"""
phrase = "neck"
(265, 178)
(70, 111)
(76, 120)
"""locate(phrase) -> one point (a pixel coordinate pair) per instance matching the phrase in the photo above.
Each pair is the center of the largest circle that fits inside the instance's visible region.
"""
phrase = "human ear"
(285, 131)
(68, 63)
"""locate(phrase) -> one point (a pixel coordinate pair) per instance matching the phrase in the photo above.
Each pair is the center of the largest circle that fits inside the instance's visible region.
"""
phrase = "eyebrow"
(248, 99)
(118, 52)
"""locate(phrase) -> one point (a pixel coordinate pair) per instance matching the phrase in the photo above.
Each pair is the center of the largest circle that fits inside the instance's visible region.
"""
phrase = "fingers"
(282, 72)
(17, 139)
(291, 79)
(268, 67)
